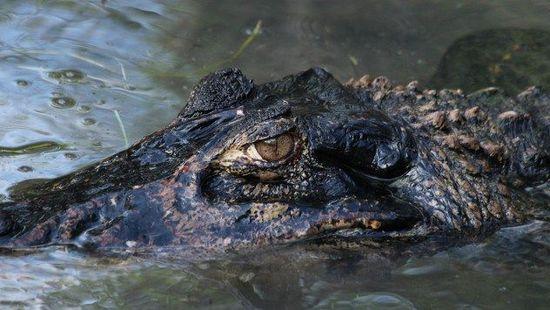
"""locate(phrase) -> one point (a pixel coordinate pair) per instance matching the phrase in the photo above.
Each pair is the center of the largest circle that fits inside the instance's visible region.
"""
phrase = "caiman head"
(299, 158)
(302, 158)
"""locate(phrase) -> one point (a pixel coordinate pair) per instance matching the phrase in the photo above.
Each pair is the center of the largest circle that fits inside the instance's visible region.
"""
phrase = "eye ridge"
(276, 148)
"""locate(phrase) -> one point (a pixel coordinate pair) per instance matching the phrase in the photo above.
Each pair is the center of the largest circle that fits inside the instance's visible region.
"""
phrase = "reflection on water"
(65, 68)
(510, 270)
(78, 78)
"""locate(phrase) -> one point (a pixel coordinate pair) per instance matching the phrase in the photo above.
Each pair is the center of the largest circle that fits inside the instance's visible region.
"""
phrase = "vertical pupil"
(276, 148)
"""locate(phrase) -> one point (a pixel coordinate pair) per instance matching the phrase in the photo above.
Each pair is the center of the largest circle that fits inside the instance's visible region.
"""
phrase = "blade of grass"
(123, 72)
(213, 66)
(122, 129)
(255, 32)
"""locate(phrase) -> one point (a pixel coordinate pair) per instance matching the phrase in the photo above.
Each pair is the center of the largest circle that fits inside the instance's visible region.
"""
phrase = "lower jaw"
(358, 238)
(369, 228)
(418, 231)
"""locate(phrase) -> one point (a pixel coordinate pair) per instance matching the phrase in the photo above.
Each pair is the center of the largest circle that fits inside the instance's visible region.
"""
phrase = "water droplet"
(71, 156)
(88, 121)
(22, 83)
(25, 169)
(84, 109)
(67, 76)
(63, 102)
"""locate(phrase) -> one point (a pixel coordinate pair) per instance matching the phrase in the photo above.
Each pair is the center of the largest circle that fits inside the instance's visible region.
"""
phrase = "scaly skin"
(477, 158)
(361, 162)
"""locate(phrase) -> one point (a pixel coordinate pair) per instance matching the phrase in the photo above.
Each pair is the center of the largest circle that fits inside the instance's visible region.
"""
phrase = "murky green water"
(81, 79)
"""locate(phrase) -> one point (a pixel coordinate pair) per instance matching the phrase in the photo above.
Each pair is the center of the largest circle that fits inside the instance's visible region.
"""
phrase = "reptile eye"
(276, 148)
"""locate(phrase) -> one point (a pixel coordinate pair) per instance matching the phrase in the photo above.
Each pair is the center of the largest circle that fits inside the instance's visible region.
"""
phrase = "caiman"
(303, 158)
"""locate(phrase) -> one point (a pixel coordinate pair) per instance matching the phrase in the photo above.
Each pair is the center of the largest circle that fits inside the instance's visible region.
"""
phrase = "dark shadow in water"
(512, 59)
(489, 274)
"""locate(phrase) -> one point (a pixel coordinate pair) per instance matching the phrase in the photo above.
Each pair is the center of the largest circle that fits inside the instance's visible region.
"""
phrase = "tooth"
(374, 224)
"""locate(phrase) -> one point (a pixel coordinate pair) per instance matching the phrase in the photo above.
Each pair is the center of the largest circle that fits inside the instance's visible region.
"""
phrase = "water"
(79, 80)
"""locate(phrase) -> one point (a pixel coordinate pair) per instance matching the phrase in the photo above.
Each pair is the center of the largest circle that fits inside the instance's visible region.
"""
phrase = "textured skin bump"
(220, 90)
